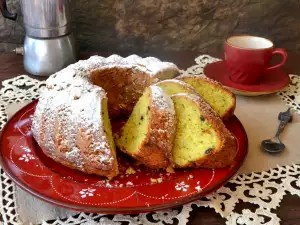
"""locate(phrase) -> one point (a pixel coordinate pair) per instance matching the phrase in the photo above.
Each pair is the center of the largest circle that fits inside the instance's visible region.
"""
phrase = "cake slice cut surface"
(149, 133)
(202, 139)
(220, 99)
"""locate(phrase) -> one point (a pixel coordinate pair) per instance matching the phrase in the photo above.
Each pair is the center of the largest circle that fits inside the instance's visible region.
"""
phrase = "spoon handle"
(280, 128)
(284, 117)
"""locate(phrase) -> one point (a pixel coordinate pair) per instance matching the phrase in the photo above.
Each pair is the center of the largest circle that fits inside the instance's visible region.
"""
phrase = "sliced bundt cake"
(173, 86)
(71, 123)
(149, 133)
(202, 139)
(220, 99)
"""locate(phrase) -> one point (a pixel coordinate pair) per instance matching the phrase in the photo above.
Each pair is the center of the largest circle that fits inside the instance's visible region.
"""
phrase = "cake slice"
(202, 139)
(173, 86)
(220, 99)
(149, 133)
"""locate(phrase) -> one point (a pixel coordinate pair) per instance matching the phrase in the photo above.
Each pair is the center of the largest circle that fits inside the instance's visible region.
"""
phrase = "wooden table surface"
(11, 65)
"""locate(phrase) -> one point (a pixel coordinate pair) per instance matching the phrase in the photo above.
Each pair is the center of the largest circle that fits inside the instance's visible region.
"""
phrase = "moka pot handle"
(5, 12)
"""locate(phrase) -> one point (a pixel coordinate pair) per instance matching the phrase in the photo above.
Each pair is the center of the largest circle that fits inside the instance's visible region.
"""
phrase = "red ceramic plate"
(146, 190)
(272, 81)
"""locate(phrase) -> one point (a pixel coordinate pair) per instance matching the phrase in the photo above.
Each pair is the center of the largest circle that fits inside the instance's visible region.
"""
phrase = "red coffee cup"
(248, 58)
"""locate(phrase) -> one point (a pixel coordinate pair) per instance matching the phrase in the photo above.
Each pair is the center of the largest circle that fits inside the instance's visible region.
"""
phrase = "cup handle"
(282, 52)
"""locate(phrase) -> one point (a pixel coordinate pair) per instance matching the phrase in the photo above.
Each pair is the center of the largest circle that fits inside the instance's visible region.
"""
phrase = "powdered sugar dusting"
(162, 108)
(161, 99)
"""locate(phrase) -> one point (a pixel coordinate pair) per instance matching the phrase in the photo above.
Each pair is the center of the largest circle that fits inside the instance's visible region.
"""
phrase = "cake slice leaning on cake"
(202, 140)
(220, 99)
(149, 133)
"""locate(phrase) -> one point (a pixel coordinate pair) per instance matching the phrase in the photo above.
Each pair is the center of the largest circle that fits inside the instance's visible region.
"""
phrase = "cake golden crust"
(231, 107)
(224, 154)
(155, 149)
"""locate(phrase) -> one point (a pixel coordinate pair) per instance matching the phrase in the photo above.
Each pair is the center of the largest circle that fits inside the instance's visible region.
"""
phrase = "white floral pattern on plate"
(89, 192)
(182, 186)
(26, 157)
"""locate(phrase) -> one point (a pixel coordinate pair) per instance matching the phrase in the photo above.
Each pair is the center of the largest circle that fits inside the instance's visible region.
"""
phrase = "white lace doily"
(259, 189)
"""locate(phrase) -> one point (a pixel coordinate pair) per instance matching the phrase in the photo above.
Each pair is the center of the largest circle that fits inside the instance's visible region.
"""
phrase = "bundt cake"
(149, 132)
(71, 121)
(202, 139)
(220, 99)
(172, 86)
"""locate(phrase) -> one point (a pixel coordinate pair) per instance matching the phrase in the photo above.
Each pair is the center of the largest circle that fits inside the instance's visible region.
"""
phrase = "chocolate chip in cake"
(208, 151)
(148, 107)
(142, 117)
(202, 118)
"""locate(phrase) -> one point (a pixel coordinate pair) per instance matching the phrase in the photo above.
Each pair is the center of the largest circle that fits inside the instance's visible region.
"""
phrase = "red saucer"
(143, 191)
(271, 82)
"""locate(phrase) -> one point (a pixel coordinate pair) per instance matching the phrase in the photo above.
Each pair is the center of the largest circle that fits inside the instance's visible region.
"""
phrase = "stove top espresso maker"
(49, 44)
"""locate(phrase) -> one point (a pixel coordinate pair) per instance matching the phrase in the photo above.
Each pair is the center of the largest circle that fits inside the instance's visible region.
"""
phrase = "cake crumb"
(153, 181)
(159, 180)
(129, 184)
(156, 181)
(108, 185)
(130, 170)
(100, 183)
(170, 170)
(190, 176)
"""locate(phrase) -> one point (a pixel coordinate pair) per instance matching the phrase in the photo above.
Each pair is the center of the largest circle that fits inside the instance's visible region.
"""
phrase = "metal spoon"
(274, 145)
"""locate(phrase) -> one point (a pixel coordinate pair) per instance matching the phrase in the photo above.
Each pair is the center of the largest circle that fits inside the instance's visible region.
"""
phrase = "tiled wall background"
(143, 25)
